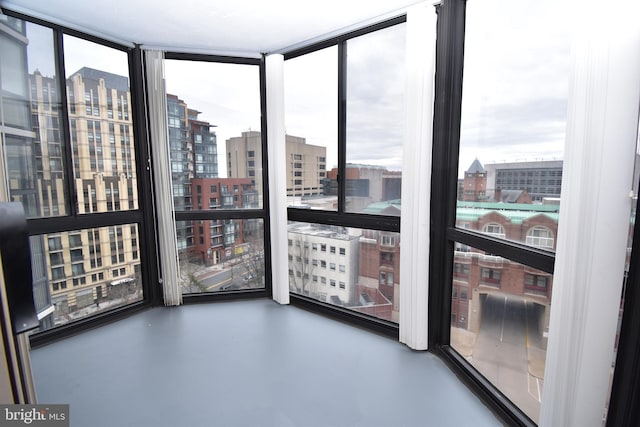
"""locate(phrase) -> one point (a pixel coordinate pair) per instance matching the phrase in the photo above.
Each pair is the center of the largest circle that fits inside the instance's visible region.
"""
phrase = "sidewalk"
(536, 357)
(209, 271)
(463, 341)
(105, 304)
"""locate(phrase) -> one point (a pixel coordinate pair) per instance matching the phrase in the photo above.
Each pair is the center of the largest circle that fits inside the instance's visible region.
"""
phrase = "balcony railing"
(489, 261)
(490, 281)
(536, 290)
(386, 263)
(496, 235)
(540, 242)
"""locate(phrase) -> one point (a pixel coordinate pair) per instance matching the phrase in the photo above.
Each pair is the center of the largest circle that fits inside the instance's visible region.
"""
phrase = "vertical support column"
(416, 175)
(594, 221)
(277, 177)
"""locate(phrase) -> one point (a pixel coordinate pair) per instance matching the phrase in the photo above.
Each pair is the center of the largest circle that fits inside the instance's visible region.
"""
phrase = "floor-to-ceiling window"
(510, 165)
(216, 155)
(506, 101)
(71, 159)
(344, 118)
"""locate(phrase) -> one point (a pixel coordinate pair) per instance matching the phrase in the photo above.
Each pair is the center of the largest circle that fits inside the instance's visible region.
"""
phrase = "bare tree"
(127, 291)
(194, 285)
(253, 264)
(189, 265)
(253, 254)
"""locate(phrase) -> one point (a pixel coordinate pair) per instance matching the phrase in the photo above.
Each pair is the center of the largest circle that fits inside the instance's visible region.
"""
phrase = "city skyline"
(488, 96)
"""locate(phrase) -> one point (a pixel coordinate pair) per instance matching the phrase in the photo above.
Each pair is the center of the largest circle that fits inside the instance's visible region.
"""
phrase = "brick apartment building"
(216, 240)
(505, 214)
(379, 269)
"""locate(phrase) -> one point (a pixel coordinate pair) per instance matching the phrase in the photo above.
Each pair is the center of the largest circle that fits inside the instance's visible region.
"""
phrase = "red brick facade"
(214, 240)
(474, 186)
(476, 274)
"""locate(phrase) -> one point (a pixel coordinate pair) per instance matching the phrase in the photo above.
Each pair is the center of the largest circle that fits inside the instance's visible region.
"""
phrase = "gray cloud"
(516, 80)
(227, 95)
(40, 49)
(375, 98)
(531, 122)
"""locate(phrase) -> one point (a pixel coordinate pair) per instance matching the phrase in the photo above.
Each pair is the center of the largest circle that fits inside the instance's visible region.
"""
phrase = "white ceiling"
(243, 27)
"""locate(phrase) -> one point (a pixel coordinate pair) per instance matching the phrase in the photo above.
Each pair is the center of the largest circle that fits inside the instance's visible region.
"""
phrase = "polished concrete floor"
(248, 363)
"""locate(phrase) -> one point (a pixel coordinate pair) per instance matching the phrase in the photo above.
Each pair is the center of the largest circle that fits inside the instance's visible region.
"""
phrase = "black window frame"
(340, 217)
(444, 233)
(73, 220)
(236, 214)
(623, 409)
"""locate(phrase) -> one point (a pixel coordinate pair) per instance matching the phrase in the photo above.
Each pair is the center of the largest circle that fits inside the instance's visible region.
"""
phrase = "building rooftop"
(387, 207)
(362, 166)
(111, 80)
(510, 196)
(476, 167)
(472, 211)
(314, 230)
(538, 164)
(497, 206)
(517, 213)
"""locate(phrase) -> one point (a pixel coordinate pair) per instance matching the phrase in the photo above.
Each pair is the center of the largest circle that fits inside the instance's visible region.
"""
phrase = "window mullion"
(67, 148)
(342, 124)
(625, 390)
(514, 251)
(145, 184)
(446, 141)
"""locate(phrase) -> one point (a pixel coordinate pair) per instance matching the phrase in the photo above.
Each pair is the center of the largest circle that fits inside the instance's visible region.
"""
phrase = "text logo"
(34, 415)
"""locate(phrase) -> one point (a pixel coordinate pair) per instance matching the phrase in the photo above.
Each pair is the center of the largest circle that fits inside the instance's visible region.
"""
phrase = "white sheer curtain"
(602, 126)
(161, 174)
(416, 175)
(277, 177)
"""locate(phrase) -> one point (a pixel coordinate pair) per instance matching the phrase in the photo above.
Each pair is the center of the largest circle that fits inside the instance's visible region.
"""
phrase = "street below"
(501, 350)
(229, 278)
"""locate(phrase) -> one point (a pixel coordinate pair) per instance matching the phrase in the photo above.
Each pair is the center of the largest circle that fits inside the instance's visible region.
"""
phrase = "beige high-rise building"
(90, 265)
(306, 163)
(102, 136)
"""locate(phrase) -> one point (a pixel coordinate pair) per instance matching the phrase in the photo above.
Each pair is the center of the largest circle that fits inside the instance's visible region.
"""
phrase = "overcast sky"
(514, 94)
(515, 82)
(78, 53)
(311, 100)
(227, 95)
(375, 98)
(81, 53)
